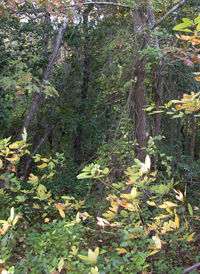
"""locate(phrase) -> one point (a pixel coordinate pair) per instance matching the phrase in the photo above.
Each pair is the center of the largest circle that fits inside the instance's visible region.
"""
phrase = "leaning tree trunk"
(47, 72)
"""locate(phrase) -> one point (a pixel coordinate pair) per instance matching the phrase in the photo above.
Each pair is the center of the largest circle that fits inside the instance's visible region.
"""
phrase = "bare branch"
(187, 270)
(158, 22)
(102, 3)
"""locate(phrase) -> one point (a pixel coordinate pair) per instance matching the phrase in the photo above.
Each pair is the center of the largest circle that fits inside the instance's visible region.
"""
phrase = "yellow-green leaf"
(60, 265)
(151, 203)
(42, 166)
(77, 217)
(94, 270)
(92, 257)
(84, 258)
(74, 250)
(62, 213)
(96, 252)
(121, 250)
(190, 209)
(70, 224)
(109, 215)
(190, 238)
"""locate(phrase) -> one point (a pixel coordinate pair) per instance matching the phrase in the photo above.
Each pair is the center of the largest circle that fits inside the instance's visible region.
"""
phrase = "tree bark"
(192, 139)
(139, 21)
(186, 135)
(84, 90)
(158, 93)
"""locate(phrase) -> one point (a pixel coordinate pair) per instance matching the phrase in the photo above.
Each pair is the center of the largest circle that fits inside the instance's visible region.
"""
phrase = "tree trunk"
(158, 92)
(192, 139)
(139, 21)
(186, 136)
(84, 90)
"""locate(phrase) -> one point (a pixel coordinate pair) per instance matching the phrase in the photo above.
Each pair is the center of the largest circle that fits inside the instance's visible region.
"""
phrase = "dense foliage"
(99, 137)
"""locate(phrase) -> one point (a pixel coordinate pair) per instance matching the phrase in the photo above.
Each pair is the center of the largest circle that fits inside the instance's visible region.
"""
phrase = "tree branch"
(101, 3)
(158, 22)
(187, 270)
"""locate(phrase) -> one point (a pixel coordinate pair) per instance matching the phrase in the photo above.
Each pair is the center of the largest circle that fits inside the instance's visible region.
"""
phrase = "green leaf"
(20, 199)
(70, 224)
(190, 209)
(197, 20)
(182, 26)
(84, 176)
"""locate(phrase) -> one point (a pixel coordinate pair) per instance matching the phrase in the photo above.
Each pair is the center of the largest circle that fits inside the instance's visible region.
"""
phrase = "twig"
(187, 270)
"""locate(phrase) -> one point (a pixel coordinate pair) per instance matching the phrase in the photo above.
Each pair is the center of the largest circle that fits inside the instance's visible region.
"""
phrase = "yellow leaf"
(14, 146)
(36, 206)
(14, 158)
(42, 166)
(1, 163)
(166, 227)
(121, 250)
(161, 217)
(127, 196)
(172, 224)
(81, 202)
(44, 160)
(33, 178)
(176, 219)
(151, 203)
(62, 213)
(190, 238)
(157, 242)
(197, 78)
(114, 206)
(167, 204)
(46, 220)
